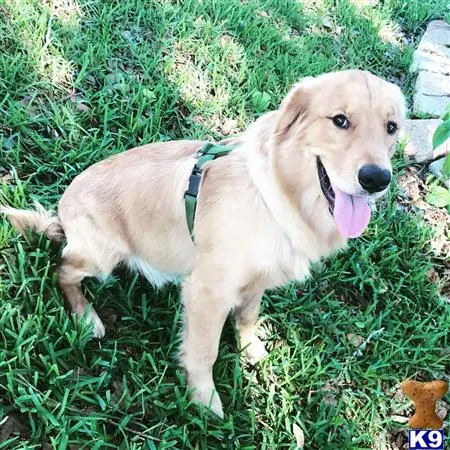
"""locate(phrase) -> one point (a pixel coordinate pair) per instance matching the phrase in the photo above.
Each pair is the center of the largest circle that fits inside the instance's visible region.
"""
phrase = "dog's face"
(349, 122)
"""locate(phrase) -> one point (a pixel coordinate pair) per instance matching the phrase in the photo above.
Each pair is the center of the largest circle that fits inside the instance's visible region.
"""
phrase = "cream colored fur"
(261, 217)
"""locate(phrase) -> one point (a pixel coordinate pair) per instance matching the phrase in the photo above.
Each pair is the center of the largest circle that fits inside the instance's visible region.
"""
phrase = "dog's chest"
(287, 262)
(278, 262)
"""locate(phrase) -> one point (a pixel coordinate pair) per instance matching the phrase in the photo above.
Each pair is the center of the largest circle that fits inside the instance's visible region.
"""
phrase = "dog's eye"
(391, 127)
(341, 121)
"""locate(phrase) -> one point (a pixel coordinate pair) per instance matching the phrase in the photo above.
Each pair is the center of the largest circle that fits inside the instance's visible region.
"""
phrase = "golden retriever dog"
(295, 188)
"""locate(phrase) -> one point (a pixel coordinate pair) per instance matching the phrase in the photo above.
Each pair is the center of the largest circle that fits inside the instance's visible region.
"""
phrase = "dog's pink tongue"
(351, 213)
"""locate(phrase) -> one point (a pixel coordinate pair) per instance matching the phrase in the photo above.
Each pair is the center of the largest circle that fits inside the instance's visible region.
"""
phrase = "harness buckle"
(194, 183)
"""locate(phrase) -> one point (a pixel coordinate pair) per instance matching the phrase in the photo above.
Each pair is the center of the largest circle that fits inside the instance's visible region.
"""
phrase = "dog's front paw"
(255, 350)
(209, 398)
(98, 328)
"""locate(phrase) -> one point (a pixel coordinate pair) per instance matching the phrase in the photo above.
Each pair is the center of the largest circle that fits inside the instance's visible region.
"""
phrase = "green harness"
(207, 153)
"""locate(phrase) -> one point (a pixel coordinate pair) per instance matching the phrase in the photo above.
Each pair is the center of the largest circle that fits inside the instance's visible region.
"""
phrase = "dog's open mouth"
(351, 213)
(325, 184)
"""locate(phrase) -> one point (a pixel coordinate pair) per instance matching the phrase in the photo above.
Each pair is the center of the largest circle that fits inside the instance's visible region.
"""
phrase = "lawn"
(81, 80)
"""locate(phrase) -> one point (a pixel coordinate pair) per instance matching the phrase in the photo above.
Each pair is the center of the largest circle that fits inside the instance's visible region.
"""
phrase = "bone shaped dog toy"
(425, 395)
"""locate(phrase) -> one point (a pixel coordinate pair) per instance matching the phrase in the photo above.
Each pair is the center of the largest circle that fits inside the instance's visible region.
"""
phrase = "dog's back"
(126, 209)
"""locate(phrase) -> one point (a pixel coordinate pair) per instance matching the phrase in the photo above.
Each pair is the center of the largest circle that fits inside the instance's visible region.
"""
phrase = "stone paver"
(419, 138)
(433, 52)
(432, 93)
(432, 62)
(437, 31)
(431, 58)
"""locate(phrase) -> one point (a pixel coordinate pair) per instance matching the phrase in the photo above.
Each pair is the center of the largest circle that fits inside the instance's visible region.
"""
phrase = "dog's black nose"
(373, 178)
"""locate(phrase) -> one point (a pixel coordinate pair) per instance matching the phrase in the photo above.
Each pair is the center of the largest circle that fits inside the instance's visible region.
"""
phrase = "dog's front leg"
(206, 307)
(246, 316)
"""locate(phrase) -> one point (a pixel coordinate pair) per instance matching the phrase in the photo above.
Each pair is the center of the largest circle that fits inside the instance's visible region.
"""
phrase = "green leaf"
(150, 95)
(446, 166)
(360, 324)
(438, 196)
(446, 114)
(8, 143)
(260, 100)
(441, 134)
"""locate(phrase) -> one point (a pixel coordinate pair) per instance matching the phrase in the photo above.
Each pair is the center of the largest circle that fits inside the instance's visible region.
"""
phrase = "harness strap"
(207, 153)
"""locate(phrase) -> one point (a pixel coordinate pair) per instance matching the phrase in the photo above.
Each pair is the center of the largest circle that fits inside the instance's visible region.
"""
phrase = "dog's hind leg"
(246, 316)
(75, 266)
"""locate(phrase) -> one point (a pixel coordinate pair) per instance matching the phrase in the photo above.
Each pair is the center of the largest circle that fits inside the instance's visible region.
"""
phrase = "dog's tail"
(39, 220)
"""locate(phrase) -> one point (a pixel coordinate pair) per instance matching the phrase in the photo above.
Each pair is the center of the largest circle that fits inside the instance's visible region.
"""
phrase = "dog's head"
(348, 123)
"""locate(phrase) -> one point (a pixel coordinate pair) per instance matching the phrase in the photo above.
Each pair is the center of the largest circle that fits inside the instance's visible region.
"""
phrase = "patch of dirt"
(12, 425)
(5, 177)
(398, 440)
(330, 394)
(413, 190)
(355, 340)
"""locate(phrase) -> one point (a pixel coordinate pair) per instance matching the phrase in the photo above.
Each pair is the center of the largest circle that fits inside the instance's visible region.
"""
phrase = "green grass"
(98, 77)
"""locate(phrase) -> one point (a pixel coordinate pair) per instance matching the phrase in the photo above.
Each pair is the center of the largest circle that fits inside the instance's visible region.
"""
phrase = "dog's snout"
(374, 178)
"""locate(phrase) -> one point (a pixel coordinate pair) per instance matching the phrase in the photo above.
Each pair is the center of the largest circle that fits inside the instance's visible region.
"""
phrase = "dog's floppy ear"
(295, 106)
